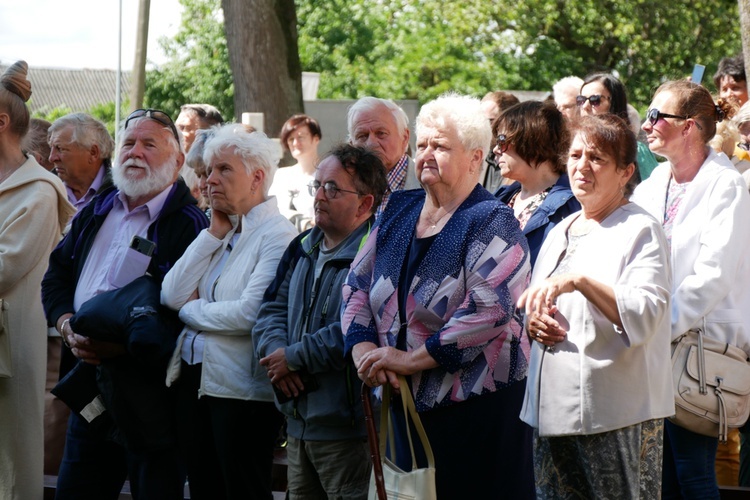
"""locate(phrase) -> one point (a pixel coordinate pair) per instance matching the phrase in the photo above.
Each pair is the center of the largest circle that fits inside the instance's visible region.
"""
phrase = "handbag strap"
(701, 362)
(410, 410)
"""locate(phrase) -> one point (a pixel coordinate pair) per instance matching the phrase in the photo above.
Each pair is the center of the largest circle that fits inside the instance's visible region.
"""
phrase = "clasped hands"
(540, 306)
(277, 368)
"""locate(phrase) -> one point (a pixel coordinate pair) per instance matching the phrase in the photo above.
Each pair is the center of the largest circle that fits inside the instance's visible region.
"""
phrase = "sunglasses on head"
(502, 143)
(595, 99)
(154, 114)
(654, 115)
(330, 189)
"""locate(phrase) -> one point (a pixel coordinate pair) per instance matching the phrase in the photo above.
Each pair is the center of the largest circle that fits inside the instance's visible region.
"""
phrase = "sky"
(80, 33)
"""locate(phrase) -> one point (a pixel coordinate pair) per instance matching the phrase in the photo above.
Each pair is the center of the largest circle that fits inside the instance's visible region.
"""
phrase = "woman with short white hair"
(431, 296)
(227, 421)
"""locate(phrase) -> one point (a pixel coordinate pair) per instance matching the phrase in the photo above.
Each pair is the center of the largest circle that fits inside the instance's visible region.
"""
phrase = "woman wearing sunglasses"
(702, 203)
(603, 93)
(532, 138)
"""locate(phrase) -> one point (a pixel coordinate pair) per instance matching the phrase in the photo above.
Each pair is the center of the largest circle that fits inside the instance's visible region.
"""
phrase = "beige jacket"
(33, 213)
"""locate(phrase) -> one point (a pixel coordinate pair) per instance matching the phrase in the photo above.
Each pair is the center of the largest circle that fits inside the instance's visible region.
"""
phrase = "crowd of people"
(524, 273)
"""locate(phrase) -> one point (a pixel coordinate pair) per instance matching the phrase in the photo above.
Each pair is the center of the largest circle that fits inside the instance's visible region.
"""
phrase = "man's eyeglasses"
(654, 115)
(595, 99)
(502, 143)
(156, 115)
(330, 189)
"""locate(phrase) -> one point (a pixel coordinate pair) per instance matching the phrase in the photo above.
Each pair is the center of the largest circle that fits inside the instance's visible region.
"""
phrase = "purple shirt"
(112, 242)
(90, 193)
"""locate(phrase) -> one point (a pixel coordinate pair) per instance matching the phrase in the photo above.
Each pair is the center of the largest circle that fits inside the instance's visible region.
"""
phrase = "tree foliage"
(198, 67)
(418, 49)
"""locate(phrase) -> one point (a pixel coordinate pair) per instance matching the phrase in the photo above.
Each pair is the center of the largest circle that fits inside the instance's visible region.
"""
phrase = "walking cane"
(372, 439)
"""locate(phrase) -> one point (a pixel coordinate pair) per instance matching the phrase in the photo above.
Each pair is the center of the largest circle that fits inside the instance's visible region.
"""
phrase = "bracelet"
(62, 332)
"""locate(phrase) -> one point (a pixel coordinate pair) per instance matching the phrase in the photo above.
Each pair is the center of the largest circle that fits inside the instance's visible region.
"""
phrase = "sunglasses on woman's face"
(595, 99)
(502, 143)
(654, 115)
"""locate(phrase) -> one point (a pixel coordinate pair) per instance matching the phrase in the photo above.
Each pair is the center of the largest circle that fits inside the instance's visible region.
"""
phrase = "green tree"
(418, 49)
(198, 67)
(644, 42)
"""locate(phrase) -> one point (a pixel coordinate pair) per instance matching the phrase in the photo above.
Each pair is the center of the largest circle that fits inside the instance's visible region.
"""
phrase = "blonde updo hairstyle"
(15, 90)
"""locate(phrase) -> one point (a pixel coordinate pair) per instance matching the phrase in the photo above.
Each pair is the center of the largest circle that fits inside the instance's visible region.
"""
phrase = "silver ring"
(538, 334)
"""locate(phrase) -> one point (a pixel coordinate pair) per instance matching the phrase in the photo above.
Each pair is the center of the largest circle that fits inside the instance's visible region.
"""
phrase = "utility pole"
(138, 82)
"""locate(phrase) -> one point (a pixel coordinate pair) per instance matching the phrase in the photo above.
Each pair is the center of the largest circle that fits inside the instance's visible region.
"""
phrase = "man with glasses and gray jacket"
(298, 332)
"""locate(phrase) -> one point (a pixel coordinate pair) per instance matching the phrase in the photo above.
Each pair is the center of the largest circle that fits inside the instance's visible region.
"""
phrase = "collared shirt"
(90, 193)
(111, 243)
(396, 179)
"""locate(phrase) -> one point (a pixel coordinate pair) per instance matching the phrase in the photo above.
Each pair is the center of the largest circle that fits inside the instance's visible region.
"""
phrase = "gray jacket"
(307, 324)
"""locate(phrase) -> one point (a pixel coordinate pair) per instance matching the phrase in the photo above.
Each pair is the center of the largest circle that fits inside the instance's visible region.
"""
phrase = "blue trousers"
(689, 464)
(95, 468)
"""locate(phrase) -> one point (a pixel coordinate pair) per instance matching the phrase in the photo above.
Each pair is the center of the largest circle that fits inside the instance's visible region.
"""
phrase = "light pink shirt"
(111, 243)
(90, 193)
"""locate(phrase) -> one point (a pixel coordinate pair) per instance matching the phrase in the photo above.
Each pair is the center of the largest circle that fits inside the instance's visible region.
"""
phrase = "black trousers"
(227, 443)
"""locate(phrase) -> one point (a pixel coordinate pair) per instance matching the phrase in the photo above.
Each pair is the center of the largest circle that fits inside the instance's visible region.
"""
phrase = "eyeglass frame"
(502, 142)
(149, 113)
(659, 115)
(581, 99)
(313, 187)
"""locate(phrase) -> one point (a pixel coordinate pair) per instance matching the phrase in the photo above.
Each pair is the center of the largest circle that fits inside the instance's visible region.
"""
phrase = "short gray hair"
(254, 148)
(194, 157)
(464, 113)
(567, 84)
(370, 103)
(86, 132)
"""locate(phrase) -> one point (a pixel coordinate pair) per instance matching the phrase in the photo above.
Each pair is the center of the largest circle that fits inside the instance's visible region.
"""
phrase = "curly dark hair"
(730, 66)
(365, 167)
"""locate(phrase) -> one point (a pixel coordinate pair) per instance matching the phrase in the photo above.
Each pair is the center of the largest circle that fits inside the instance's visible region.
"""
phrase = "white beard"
(155, 181)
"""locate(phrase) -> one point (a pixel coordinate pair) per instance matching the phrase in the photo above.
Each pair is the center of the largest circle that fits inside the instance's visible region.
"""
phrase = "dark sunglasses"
(330, 189)
(502, 142)
(654, 115)
(595, 99)
(156, 115)
(744, 145)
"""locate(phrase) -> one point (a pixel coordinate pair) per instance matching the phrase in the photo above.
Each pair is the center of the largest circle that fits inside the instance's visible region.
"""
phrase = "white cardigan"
(602, 378)
(230, 367)
(710, 249)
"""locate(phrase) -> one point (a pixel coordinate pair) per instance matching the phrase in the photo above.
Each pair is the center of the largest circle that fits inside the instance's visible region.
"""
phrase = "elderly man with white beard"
(141, 226)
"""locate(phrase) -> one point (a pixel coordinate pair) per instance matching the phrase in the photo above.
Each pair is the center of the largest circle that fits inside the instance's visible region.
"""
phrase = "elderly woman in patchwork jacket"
(432, 296)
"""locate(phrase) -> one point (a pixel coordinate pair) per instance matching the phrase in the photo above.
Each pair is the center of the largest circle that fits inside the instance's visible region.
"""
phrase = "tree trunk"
(745, 31)
(263, 55)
